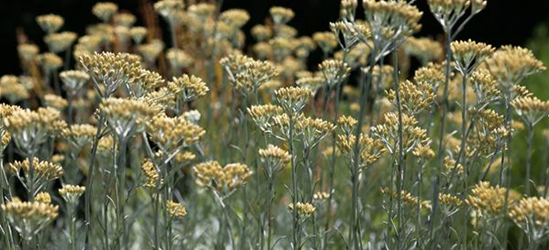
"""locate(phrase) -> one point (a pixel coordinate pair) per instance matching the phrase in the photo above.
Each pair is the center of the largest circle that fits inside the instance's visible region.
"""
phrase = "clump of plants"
(116, 139)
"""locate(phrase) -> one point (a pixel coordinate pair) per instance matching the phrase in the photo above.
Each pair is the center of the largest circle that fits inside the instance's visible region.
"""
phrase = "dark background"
(502, 22)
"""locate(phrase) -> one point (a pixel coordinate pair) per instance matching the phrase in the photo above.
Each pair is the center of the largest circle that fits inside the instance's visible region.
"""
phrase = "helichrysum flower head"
(59, 42)
(138, 34)
(176, 209)
(407, 198)
(12, 89)
(530, 109)
(531, 214)
(468, 55)
(224, 180)
(413, 135)
(202, 11)
(327, 41)
(151, 176)
(423, 48)
(74, 80)
(127, 116)
(29, 129)
(55, 101)
(391, 20)
(178, 59)
(448, 12)
(27, 51)
(29, 218)
(169, 9)
(104, 10)
(71, 193)
(334, 71)
(171, 133)
(236, 18)
(487, 198)
(42, 172)
(254, 74)
(370, 149)
(414, 97)
(263, 116)
(275, 159)
(151, 51)
(43, 197)
(109, 70)
(293, 99)
(347, 124)
(49, 62)
(304, 210)
(261, 32)
(79, 135)
(188, 87)
(50, 23)
(431, 74)
(145, 81)
(124, 19)
(281, 15)
(509, 65)
(485, 87)
(348, 10)
(312, 131)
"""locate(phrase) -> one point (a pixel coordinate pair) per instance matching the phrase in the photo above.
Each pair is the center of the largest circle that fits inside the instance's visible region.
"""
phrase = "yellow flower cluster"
(224, 180)
(171, 133)
(188, 87)
(303, 209)
(176, 209)
(407, 198)
(293, 99)
(71, 193)
(469, 54)
(126, 116)
(414, 97)
(28, 218)
(42, 169)
(50, 23)
(104, 10)
(487, 198)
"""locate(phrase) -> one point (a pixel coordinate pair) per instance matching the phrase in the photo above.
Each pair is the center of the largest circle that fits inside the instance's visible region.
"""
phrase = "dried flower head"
(178, 59)
(29, 218)
(74, 80)
(151, 175)
(12, 89)
(327, 41)
(50, 23)
(176, 209)
(531, 214)
(468, 55)
(448, 12)
(172, 133)
(263, 116)
(59, 42)
(275, 159)
(414, 97)
(169, 9)
(79, 135)
(530, 109)
(293, 99)
(104, 10)
(487, 198)
(36, 174)
(124, 19)
(236, 18)
(509, 65)
(334, 71)
(407, 198)
(55, 101)
(188, 87)
(29, 129)
(261, 33)
(138, 34)
(224, 180)
(49, 62)
(71, 193)
(423, 48)
(27, 51)
(127, 116)
(43, 197)
(109, 70)
(281, 15)
(304, 210)
(370, 149)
